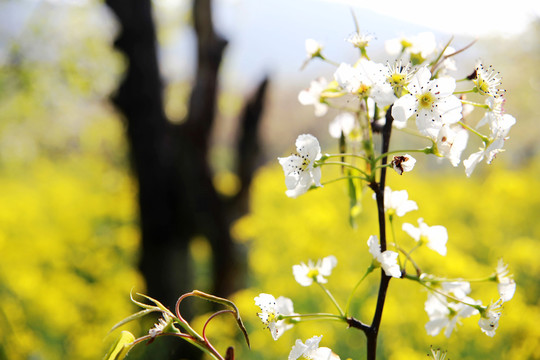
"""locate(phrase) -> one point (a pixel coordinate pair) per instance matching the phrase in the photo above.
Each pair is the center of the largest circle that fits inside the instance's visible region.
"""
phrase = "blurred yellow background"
(69, 237)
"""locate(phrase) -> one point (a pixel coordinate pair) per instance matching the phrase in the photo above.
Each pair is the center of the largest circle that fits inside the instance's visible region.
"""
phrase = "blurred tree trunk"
(177, 197)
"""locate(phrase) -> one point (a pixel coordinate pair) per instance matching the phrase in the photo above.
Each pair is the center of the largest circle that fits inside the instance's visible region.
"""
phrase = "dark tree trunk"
(177, 198)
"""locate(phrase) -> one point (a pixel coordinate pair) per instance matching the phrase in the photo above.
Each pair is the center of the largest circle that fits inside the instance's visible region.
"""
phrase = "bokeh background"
(70, 237)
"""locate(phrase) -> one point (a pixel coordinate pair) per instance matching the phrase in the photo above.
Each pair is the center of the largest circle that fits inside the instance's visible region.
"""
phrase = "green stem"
(464, 92)
(345, 165)
(345, 178)
(440, 292)
(328, 61)
(349, 300)
(427, 150)
(393, 233)
(328, 156)
(409, 258)
(315, 316)
(467, 102)
(329, 294)
(484, 138)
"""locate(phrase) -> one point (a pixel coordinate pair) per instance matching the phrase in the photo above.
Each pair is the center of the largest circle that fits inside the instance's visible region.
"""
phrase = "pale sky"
(463, 17)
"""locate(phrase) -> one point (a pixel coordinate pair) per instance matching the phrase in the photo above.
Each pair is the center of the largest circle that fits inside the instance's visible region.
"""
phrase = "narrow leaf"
(133, 317)
(121, 347)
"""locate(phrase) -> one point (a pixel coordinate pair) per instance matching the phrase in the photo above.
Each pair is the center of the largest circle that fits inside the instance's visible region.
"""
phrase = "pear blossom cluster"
(278, 314)
(413, 85)
(412, 92)
(445, 314)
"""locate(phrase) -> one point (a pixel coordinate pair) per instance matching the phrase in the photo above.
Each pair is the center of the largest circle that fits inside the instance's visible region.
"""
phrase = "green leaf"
(121, 347)
(133, 317)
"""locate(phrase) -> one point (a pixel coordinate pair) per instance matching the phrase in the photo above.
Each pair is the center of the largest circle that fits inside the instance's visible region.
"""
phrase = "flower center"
(397, 80)
(482, 86)
(425, 100)
(363, 90)
(271, 317)
(313, 273)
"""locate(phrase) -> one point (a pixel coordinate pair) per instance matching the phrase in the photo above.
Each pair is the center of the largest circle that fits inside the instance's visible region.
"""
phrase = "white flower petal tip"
(311, 350)
(397, 202)
(435, 237)
(387, 259)
(506, 285)
(305, 275)
(271, 309)
(444, 315)
(403, 163)
(489, 321)
(429, 102)
(299, 169)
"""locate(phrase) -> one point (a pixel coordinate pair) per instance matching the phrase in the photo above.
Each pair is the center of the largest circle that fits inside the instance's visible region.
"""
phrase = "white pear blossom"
(299, 169)
(271, 309)
(397, 202)
(359, 40)
(403, 163)
(399, 75)
(311, 350)
(419, 47)
(505, 282)
(387, 259)
(313, 48)
(500, 126)
(366, 78)
(451, 142)
(422, 46)
(343, 123)
(313, 96)
(435, 237)
(437, 354)
(489, 321)
(306, 274)
(429, 102)
(446, 315)
(487, 81)
(460, 289)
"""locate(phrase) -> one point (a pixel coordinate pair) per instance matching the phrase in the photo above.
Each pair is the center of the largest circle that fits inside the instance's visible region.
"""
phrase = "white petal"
(507, 290)
(437, 236)
(347, 77)
(313, 343)
(450, 108)
(308, 145)
(324, 353)
(459, 288)
(327, 264)
(316, 176)
(306, 98)
(445, 86)
(265, 300)
(297, 350)
(389, 263)
(344, 122)
(284, 306)
(300, 273)
(422, 77)
(413, 231)
(405, 207)
(473, 160)
(434, 327)
(374, 247)
(402, 110)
